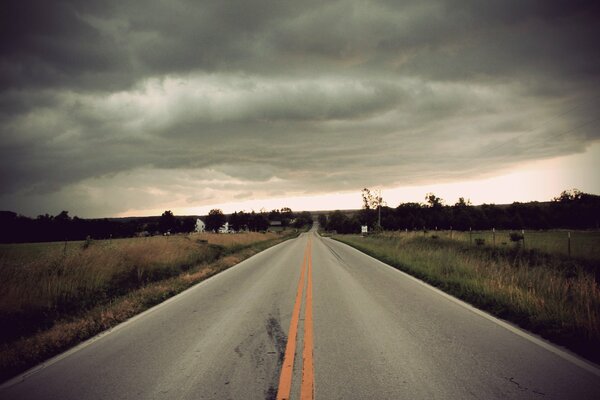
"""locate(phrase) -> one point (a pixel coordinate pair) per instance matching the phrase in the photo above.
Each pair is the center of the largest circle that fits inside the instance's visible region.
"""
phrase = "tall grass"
(34, 291)
(552, 295)
(62, 295)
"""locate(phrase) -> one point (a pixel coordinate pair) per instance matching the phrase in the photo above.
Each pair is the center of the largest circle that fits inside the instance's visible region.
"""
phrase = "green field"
(583, 244)
(537, 287)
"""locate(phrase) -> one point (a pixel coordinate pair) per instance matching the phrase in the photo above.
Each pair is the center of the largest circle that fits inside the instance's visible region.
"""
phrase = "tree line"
(243, 221)
(572, 209)
(17, 228)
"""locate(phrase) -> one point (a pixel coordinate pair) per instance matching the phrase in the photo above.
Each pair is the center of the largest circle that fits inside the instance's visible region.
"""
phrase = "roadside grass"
(59, 298)
(549, 294)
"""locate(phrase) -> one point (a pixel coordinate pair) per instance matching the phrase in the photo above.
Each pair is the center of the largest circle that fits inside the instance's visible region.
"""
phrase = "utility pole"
(379, 215)
(379, 201)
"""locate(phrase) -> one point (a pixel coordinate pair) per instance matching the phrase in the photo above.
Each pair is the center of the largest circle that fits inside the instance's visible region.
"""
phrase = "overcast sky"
(118, 107)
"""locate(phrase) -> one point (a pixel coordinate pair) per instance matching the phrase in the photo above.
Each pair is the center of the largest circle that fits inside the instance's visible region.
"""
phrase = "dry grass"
(56, 299)
(548, 294)
(56, 279)
(237, 239)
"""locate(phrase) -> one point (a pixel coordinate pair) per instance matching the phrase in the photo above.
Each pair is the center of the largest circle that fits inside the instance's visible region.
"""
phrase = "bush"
(516, 237)
(88, 242)
(479, 241)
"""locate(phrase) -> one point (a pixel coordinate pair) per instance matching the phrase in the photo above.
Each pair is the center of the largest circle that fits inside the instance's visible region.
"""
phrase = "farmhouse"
(225, 228)
(200, 226)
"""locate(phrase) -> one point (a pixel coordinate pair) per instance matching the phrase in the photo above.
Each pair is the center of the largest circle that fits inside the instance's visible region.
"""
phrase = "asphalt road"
(364, 331)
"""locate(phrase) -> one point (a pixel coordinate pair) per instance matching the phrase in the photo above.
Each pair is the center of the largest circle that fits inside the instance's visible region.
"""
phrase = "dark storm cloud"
(287, 96)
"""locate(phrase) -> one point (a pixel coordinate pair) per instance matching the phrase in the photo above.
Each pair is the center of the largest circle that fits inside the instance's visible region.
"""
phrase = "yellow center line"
(307, 390)
(285, 379)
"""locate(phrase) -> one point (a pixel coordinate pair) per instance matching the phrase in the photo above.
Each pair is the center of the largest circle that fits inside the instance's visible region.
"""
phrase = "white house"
(225, 228)
(200, 226)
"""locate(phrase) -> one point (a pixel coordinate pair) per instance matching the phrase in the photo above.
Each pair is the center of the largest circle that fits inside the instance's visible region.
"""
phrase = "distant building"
(200, 226)
(225, 228)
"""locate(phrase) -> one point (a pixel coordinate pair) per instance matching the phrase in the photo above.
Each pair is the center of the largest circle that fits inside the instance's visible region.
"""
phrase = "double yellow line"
(307, 389)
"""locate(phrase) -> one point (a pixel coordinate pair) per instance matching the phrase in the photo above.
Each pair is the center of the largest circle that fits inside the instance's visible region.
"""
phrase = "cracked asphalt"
(378, 334)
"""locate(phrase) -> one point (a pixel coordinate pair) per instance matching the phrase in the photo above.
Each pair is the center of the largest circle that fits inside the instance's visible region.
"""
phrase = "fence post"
(470, 236)
(569, 243)
(523, 234)
(494, 236)
(450, 231)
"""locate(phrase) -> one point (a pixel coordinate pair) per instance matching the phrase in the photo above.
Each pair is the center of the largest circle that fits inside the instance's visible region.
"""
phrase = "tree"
(274, 215)
(322, 221)
(433, 201)
(303, 219)
(337, 221)
(214, 220)
(258, 222)
(188, 225)
(569, 195)
(61, 225)
(286, 216)
(462, 202)
(238, 221)
(372, 201)
(167, 222)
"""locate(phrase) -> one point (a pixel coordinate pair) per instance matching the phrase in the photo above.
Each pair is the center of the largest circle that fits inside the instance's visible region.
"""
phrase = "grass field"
(545, 292)
(584, 244)
(53, 296)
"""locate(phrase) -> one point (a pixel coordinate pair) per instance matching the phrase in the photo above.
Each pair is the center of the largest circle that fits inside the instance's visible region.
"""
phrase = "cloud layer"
(107, 106)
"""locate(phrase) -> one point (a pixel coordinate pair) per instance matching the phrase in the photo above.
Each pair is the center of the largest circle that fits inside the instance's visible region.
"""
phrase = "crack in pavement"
(523, 388)
(279, 339)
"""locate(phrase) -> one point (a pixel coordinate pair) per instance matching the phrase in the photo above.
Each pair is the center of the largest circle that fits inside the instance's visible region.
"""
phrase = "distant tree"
(433, 201)
(368, 217)
(337, 221)
(63, 217)
(258, 222)
(341, 223)
(187, 225)
(167, 222)
(462, 202)
(214, 220)
(322, 219)
(237, 221)
(274, 215)
(461, 215)
(61, 224)
(371, 201)
(569, 195)
(303, 219)
(286, 216)
(409, 216)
